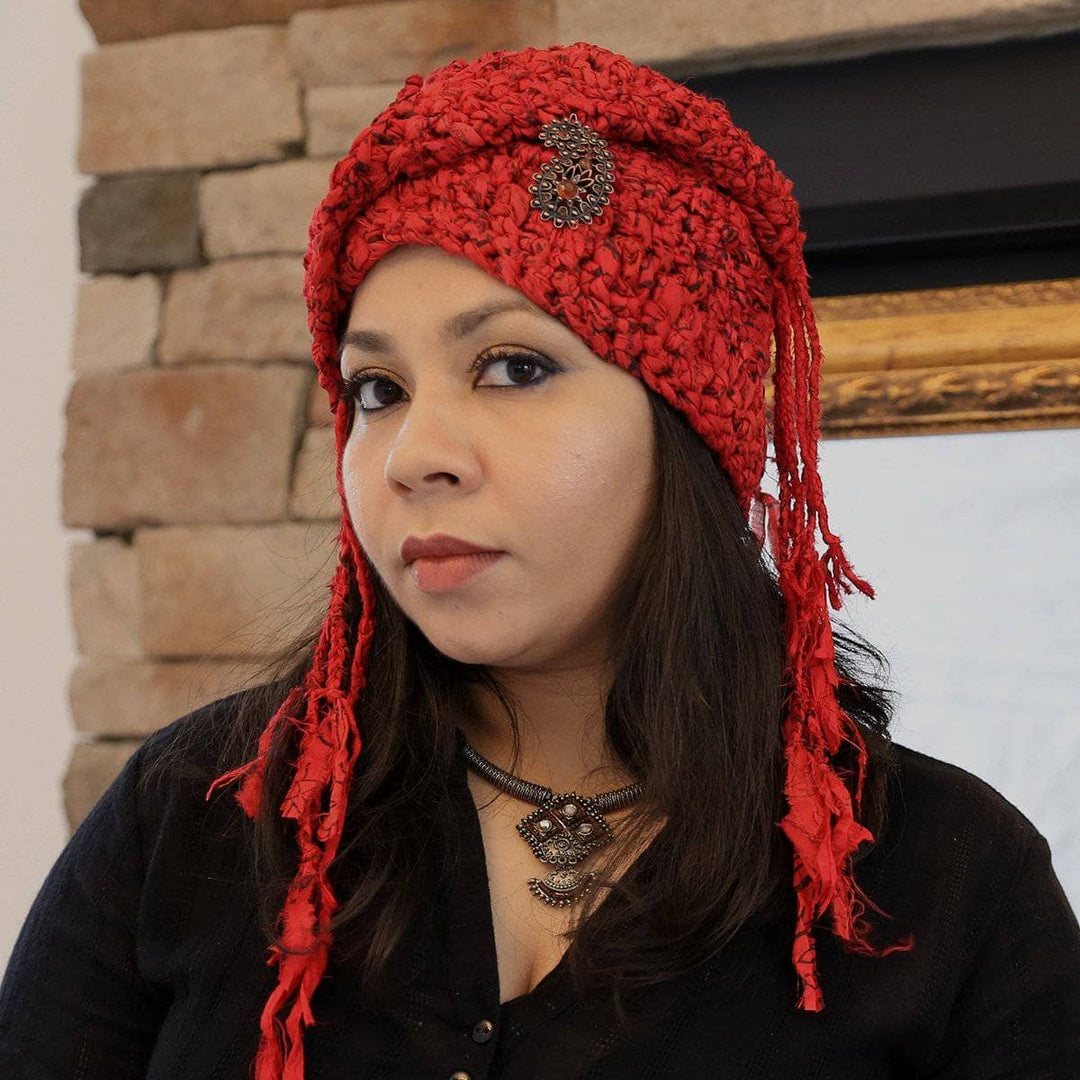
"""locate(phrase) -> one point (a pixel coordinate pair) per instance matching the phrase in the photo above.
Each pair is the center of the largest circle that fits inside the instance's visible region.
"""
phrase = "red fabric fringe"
(820, 822)
(330, 744)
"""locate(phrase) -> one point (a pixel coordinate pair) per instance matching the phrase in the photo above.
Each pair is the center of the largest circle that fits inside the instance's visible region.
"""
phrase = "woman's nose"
(433, 446)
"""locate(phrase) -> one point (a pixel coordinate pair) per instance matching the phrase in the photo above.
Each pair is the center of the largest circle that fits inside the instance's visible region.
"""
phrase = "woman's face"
(505, 431)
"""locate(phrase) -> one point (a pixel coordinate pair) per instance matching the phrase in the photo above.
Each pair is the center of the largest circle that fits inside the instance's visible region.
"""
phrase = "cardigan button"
(460, 1075)
(482, 1030)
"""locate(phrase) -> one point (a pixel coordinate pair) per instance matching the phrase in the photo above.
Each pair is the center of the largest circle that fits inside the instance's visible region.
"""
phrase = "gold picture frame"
(932, 361)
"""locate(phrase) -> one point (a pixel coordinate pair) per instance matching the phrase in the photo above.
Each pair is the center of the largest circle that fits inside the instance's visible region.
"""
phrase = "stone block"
(116, 323)
(150, 445)
(189, 100)
(314, 491)
(104, 598)
(226, 591)
(337, 114)
(237, 309)
(134, 223)
(137, 697)
(92, 767)
(121, 20)
(387, 42)
(264, 209)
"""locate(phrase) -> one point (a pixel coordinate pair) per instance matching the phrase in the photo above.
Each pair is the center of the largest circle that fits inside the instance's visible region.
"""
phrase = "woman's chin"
(483, 649)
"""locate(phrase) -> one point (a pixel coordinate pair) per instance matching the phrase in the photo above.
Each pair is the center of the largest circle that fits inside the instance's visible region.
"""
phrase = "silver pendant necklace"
(564, 829)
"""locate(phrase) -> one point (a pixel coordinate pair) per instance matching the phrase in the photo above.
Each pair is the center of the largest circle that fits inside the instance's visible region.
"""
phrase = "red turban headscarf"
(670, 244)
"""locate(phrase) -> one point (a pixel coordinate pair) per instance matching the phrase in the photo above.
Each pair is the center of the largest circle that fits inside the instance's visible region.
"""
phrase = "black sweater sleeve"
(1017, 1015)
(74, 1003)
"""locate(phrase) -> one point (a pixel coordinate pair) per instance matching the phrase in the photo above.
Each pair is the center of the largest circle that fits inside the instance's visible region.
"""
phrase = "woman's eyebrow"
(456, 327)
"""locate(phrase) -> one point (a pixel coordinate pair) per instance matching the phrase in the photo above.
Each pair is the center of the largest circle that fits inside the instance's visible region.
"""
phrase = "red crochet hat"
(633, 210)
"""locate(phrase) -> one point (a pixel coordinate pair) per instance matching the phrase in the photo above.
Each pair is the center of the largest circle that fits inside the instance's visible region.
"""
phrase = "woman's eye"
(370, 392)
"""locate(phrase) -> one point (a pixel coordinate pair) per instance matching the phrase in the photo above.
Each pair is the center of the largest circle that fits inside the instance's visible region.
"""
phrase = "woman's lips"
(446, 572)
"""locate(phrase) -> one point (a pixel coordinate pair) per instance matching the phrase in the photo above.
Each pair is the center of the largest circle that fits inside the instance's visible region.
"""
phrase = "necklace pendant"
(565, 829)
(563, 887)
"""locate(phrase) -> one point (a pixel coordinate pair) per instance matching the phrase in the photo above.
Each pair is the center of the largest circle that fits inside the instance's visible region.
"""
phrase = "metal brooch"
(574, 186)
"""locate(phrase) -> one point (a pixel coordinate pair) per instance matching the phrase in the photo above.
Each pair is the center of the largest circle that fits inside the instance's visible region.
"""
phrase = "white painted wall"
(40, 43)
(969, 540)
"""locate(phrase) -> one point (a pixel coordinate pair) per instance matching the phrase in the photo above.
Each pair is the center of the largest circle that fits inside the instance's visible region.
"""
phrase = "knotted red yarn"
(688, 278)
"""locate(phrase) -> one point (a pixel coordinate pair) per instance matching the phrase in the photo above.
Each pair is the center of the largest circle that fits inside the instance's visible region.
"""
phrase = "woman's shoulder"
(164, 785)
(995, 971)
(951, 841)
(931, 792)
(187, 847)
(207, 740)
(149, 899)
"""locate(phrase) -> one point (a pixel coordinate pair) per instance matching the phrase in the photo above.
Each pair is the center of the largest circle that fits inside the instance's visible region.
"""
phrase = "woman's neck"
(561, 720)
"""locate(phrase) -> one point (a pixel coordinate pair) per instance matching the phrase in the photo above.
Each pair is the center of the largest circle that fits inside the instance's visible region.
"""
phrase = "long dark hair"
(694, 712)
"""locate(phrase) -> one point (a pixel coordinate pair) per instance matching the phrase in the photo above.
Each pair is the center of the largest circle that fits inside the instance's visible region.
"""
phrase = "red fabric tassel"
(820, 822)
(317, 800)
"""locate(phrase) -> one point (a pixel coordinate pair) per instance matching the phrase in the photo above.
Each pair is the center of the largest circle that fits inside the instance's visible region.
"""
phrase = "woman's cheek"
(358, 499)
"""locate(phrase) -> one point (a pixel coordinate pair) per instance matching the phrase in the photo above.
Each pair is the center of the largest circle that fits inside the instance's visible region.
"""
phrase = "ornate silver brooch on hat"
(574, 186)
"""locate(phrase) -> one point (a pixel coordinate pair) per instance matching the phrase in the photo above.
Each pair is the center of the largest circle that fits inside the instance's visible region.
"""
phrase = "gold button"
(460, 1075)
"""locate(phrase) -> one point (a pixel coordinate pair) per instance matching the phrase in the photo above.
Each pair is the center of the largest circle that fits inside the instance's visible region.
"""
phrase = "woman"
(581, 790)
